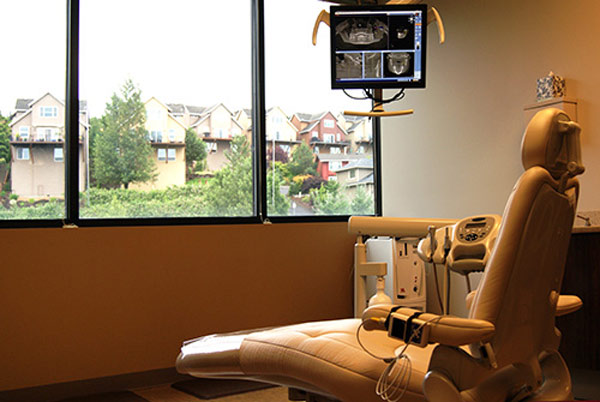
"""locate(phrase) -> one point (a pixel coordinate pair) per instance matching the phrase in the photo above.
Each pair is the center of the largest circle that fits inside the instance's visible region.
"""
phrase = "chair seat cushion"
(325, 354)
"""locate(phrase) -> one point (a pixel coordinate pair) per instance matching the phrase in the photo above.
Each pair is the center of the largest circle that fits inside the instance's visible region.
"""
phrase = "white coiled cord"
(393, 381)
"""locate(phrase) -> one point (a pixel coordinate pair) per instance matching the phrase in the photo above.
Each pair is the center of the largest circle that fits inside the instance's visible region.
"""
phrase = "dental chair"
(507, 348)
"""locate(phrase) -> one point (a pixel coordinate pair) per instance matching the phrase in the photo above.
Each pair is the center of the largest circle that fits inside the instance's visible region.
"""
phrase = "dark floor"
(586, 384)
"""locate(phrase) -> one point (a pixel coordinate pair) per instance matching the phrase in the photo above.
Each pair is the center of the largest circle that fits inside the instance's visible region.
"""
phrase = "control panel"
(474, 229)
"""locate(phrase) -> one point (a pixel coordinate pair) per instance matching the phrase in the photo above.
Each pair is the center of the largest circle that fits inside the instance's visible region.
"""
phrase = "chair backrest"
(519, 289)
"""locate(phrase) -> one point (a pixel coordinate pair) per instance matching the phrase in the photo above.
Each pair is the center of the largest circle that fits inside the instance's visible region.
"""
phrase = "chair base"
(295, 394)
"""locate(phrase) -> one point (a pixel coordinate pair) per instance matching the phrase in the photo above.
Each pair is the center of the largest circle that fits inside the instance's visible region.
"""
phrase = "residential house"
(322, 132)
(328, 164)
(244, 119)
(216, 126)
(167, 137)
(37, 147)
(360, 133)
(280, 131)
(356, 173)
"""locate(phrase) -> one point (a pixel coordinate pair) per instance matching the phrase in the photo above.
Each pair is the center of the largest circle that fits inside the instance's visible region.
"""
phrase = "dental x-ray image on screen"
(360, 33)
(378, 46)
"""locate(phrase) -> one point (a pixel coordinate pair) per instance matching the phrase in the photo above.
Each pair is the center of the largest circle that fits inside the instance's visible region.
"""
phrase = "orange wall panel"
(92, 302)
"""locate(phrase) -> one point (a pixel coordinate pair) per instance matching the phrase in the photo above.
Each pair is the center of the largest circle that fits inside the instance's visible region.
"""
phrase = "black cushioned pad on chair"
(210, 389)
(122, 396)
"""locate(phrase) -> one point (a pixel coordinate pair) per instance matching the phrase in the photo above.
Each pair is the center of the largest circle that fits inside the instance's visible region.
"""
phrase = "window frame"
(259, 145)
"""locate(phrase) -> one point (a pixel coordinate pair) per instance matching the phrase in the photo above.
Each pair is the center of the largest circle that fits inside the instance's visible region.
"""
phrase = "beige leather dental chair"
(507, 348)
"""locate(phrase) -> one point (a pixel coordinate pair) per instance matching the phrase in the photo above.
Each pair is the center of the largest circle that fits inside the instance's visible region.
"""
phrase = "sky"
(195, 52)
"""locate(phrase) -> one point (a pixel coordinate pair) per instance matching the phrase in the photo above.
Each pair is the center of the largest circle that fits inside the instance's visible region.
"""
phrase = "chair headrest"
(551, 140)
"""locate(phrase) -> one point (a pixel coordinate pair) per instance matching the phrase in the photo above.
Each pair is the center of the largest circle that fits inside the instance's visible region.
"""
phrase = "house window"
(338, 137)
(316, 150)
(156, 136)
(352, 174)
(48, 111)
(211, 147)
(315, 135)
(172, 135)
(22, 154)
(24, 133)
(335, 150)
(361, 149)
(162, 154)
(171, 154)
(329, 138)
(335, 165)
(58, 155)
(328, 123)
(277, 135)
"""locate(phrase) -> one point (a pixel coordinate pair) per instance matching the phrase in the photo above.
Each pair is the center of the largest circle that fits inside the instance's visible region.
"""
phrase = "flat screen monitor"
(378, 46)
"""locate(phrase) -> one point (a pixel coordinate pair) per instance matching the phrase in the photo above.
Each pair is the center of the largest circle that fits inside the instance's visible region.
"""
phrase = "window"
(22, 154)
(329, 138)
(335, 165)
(48, 111)
(211, 147)
(127, 114)
(335, 150)
(24, 133)
(171, 154)
(156, 136)
(352, 174)
(58, 155)
(34, 87)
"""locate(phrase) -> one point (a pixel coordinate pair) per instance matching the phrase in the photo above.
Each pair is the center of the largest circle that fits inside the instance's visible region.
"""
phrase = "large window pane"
(168, 89)
(32, 109)
(320, 160)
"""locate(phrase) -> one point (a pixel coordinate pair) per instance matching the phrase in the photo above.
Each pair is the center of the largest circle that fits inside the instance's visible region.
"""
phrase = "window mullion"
(72, 114)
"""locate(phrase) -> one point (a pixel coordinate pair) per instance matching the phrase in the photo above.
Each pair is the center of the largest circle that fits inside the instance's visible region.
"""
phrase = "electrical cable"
(385, 359)
(437, 288)
(391, 391)
(355, 97)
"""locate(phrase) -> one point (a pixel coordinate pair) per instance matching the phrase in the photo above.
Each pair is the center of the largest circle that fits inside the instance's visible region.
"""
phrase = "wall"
(459, 154)
(85, 303)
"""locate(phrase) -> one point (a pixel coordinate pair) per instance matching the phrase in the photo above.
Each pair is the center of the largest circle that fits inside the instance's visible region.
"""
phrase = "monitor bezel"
(365, 84)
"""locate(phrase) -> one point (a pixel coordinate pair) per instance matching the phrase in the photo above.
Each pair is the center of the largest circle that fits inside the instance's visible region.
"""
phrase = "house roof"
(22, 104)
(176, 108)
(307, 117)
(362, 163)
(368, 179)
(309, 127)
(338, 157)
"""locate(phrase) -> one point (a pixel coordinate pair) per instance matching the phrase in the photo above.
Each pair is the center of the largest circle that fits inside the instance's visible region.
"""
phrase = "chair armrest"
(566, 304)
(425, 328)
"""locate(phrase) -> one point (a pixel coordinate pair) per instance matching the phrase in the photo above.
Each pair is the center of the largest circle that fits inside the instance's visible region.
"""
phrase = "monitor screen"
(378, 46)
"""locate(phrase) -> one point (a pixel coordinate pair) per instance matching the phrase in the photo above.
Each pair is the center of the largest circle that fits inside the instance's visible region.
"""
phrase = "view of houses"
(341, 146)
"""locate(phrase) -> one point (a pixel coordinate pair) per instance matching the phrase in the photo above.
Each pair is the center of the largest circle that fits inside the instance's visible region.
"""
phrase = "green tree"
(95, 130)
(230, 192)
(362, 203)
(327, 200)
(195, 152)
(4, 149)
(122, 153)
(277, 203)
(302, 161)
